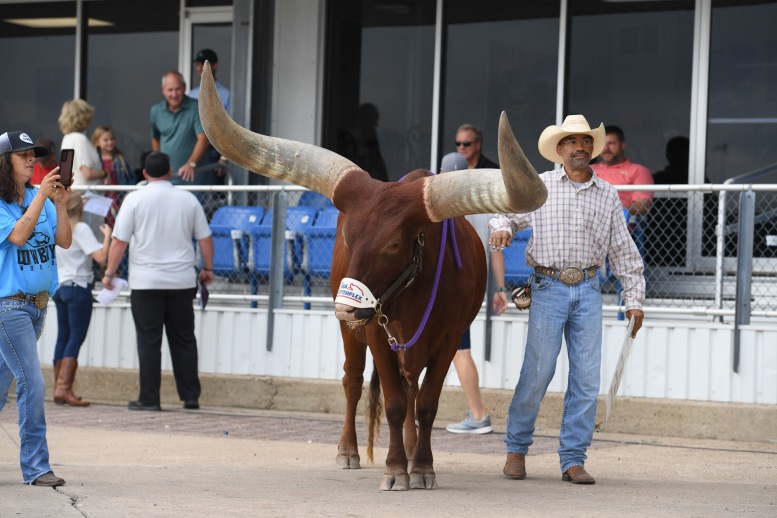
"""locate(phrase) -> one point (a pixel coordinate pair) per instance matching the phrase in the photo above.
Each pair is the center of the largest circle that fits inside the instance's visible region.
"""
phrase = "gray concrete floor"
(229, 462)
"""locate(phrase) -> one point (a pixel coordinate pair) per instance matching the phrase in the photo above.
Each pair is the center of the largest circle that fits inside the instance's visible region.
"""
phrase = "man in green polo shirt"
(176, 130)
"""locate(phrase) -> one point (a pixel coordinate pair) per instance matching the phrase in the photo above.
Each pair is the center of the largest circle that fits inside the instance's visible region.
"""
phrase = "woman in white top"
(74, 298)
(74, 119)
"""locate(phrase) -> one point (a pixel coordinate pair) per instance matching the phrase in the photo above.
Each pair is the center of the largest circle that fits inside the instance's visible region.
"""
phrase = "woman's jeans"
(74, 312)
(575, 311)
(21, 324)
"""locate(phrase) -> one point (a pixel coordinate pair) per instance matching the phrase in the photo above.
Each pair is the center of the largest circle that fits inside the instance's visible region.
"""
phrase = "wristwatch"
(503, 289)
(193, 164)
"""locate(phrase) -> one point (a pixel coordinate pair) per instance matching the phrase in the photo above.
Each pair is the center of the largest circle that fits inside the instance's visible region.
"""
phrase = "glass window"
(378, 84)
(38, 69)
(630, 65)
(742, 114)
(742, 110)
(218, 38)
(500, 58)
(125, 65)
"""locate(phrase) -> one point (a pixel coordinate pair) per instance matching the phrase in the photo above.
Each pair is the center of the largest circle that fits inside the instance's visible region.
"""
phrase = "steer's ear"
(357, 191)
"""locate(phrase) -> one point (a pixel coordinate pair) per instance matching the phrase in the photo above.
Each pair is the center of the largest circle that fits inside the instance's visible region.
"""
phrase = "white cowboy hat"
(572, 125)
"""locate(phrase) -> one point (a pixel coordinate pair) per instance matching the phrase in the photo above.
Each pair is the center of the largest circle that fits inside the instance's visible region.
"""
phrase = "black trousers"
(153, 310)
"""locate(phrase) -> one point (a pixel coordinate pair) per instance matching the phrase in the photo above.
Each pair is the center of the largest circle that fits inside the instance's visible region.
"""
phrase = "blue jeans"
(21, 324)
(74, 312)
(575, 311)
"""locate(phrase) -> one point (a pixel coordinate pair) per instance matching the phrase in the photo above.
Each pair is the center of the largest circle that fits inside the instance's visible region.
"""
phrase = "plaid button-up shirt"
(580, 227)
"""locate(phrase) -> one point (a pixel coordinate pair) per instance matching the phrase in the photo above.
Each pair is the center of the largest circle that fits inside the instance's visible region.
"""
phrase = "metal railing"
(705, 252)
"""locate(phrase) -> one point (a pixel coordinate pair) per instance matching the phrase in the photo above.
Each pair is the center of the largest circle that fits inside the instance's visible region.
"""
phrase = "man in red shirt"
(616, 169)
(44, 165)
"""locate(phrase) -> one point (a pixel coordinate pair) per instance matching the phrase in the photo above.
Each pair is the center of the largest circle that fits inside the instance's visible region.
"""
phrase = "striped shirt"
(579, 227)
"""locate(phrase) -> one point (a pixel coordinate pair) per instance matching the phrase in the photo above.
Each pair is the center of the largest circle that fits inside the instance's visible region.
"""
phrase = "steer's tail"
(374, 410)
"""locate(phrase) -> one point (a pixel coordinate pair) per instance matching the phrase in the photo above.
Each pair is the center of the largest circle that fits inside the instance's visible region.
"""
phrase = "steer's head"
(379, 237)
(382, 219)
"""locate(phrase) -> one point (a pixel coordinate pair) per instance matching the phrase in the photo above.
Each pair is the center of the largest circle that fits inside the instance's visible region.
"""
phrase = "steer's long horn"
(302, 164)
(515, 188)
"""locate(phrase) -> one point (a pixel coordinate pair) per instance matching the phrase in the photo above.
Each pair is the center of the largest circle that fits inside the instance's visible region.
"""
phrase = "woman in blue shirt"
(28, 276)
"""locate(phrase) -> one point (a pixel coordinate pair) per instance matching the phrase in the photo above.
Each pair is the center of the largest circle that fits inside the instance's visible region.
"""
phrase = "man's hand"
(186, 172)
(206, 277)
(500, 302)
(108, 281)
(638, 316)
(222, 171)
(499, 240)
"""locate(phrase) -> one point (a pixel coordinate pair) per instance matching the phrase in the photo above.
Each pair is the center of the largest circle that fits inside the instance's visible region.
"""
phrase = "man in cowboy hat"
(580, 224)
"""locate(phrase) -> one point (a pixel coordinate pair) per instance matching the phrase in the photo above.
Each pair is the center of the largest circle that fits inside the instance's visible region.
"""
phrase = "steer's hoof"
(419, 481)
(348, 461)
(395, 483)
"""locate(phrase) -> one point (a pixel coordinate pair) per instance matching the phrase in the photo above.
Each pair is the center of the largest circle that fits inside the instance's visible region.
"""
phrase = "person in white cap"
(30, 227)
(580, 224)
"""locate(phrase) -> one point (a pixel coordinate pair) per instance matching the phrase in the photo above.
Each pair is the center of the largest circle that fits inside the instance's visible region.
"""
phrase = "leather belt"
(41, 300)
(571, 275)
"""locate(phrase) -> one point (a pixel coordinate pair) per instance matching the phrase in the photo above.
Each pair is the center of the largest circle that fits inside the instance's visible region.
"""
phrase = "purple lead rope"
(445, 224)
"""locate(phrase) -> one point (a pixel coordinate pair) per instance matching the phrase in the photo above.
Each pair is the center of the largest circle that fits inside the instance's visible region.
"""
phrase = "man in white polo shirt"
(160, 221)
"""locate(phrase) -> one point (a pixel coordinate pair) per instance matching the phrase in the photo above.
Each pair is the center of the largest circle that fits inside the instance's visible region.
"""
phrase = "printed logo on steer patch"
(355, 294)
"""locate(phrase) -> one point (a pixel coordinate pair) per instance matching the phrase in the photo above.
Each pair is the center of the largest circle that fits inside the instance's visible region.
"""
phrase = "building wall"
(296, 70)
(677, 360)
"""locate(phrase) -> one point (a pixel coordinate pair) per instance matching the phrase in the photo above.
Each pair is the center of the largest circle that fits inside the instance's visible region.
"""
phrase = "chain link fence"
(689, 241)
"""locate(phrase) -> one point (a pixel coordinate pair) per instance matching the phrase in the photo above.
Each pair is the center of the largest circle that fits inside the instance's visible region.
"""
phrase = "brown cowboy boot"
(63, 391)
(57, 368)
(515, 466)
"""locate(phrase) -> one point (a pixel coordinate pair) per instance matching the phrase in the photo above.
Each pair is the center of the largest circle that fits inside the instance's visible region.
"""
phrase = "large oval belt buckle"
(42, 299)
(571, 276)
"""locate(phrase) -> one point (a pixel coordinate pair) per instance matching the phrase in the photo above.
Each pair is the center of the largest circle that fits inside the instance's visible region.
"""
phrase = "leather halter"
(408, 276)
(383, 319)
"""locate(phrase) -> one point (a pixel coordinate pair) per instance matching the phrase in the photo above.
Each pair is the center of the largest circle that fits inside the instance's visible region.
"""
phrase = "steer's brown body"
(375, 243)
(377, 231)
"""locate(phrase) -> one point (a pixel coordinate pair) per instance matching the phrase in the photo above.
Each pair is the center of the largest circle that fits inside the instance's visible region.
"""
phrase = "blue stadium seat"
(315, 200)
(517, 272)
(320, 243)
(298, 220)
(230, 228)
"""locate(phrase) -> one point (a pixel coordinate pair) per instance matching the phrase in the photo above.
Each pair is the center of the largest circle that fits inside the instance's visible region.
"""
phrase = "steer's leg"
(422, 475)
(395, 477)
(353, 380)
(411, 435)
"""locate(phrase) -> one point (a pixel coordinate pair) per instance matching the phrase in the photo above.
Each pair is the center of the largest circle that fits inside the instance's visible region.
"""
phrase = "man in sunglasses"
(469, 141)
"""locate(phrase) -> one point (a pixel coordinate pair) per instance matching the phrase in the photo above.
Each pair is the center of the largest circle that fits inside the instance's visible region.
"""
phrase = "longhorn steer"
(389, 237)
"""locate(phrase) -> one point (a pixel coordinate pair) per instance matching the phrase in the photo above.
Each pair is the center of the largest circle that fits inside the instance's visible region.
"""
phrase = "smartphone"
(66, 166)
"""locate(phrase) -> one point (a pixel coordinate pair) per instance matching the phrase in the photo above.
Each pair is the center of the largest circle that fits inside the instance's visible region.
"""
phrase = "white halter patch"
(355, 294)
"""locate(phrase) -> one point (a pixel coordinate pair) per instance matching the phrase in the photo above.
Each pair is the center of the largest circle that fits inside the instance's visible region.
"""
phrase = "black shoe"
(48, 479)
(191, 404)
(139, 405)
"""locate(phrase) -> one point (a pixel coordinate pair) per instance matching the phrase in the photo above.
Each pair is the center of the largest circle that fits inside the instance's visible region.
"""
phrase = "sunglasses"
(465, 144)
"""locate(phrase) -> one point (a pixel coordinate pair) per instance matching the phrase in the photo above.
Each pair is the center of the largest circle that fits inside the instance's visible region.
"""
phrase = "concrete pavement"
(227, 462)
